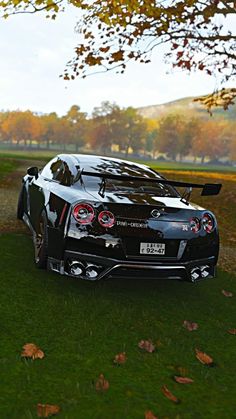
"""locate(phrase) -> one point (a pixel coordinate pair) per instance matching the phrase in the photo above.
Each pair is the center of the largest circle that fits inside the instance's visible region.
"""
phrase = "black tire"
(41, 242)
(20, 206)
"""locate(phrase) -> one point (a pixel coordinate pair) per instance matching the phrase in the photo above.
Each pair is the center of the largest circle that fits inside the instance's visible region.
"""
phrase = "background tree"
(79, 126)
(171, 137)
(150, 144)
(133, 129)
(210, 141)
(3, 134)
(22, 127)
(103, 126)
(48, 122)
(115, 32)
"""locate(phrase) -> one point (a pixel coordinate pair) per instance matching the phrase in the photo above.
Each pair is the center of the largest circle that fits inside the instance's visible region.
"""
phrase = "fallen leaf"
(102, 384)
(227, 293)
(46, 410)
(147, 345)
(183, 380)
(232, 331)
(190, 325)
(120, 358)
(169, 395)
(204, 358)
(150, 415)
(30, 350)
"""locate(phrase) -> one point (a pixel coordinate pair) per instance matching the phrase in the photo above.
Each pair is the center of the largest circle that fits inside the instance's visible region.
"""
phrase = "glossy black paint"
(59, 186)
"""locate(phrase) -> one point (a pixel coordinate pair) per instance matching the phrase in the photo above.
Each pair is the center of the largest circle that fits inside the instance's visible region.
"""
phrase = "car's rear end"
(170, 239)
(129, 221)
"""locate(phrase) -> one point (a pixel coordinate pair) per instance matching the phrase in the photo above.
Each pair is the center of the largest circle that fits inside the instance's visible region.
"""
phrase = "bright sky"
(34, 51)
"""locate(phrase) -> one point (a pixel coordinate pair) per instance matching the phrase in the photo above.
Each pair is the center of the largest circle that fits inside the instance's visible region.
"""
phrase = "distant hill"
(185, 106)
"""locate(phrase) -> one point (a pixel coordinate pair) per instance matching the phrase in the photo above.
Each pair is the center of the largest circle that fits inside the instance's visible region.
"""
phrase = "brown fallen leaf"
(227, 293)
(120, 358)
(30, 350)
(102, 384)
(147, 345)
(183, 380)
(190, 325)
(169, 395)
(232, 331)
(150, 415)
(46, 410)
(204, 358)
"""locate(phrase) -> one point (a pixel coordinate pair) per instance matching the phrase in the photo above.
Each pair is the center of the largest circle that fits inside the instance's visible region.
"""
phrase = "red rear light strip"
(62, 214)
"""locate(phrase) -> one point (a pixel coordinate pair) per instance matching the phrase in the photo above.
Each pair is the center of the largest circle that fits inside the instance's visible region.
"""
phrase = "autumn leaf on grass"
(232, 331)
(147, 345)
(227, 293)
(190, 325)
(150, 415)
(46, 410)
(169, 395)
(120, 358)
(183, 380)
(30, 350)
(102, 384)
(204, 358)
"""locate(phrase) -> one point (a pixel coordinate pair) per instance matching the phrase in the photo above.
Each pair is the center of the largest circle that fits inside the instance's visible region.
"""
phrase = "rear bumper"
(110, 268)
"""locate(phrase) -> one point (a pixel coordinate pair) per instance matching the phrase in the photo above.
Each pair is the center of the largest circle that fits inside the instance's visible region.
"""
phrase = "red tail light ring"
(207, 222)
(195, 224)
(83, 213)
(106, 219)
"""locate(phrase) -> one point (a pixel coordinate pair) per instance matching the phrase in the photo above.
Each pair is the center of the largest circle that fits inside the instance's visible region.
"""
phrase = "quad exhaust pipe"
(199, 272)
(82, 270)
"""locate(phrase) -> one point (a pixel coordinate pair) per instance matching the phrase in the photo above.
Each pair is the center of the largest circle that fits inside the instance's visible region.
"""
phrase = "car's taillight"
(195, 224)
(106, 219)
(207, 222)
(83, 213)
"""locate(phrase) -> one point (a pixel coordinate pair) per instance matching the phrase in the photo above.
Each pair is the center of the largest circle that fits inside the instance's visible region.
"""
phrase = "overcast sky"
(34, 51)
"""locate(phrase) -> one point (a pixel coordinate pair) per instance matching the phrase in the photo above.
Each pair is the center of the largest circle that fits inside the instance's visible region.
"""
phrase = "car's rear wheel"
(20, 206)
(41, 242)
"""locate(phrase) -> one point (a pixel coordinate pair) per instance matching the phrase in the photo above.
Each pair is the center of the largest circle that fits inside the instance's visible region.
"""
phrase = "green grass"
(47, 155)
(28, 155)
(7, 166)
(159, 166)
(81, 326)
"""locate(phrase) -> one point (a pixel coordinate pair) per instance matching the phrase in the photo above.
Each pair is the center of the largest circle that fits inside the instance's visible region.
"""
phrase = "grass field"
(7, 166)
(45, 155)
(81, 326)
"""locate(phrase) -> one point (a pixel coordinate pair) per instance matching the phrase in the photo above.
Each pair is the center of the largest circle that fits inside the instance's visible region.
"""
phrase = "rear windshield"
(121, 168)
(114, 185)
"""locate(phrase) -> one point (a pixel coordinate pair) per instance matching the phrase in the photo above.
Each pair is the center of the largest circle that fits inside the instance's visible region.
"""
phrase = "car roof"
(104, 164)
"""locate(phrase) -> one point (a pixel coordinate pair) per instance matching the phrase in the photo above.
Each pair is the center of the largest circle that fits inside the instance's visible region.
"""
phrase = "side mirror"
(33, 171)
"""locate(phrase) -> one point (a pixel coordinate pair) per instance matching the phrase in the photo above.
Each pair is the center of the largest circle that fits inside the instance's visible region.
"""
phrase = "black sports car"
(95, 217)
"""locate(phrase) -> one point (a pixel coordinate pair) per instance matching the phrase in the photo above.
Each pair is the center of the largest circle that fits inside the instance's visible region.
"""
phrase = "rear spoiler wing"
(207, 188)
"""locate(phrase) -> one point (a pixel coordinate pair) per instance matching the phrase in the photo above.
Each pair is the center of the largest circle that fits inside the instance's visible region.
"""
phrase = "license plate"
(152, 248)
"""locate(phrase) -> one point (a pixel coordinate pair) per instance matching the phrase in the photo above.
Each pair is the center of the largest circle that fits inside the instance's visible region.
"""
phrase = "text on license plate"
(152, 248)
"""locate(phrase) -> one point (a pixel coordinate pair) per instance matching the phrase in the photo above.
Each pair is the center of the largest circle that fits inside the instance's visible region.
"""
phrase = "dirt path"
(9, 191)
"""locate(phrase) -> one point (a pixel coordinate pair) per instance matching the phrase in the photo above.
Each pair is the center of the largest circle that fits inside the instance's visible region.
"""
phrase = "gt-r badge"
(155, 213)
